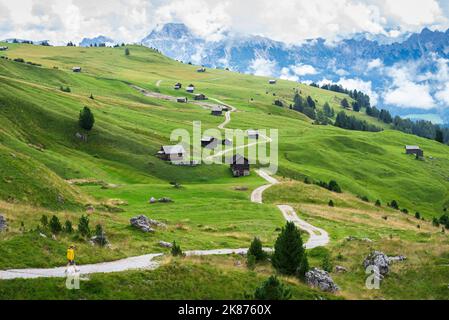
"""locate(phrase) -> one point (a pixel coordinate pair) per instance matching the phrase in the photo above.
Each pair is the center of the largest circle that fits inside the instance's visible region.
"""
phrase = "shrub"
(176, 250)
(394, 204)
(68, 227)
(44, 221)
(404, 211)
(378, 203)
(55, 225)
(251, 261)
(435, 222)
(418, 215)
(127, 52)
(83, 226)
(86, 119)
(331, 203)
(272, 289)
(100, 237)
(333, 186)
(326, 264)
(288, 250)
(19, 60)
(256, 250)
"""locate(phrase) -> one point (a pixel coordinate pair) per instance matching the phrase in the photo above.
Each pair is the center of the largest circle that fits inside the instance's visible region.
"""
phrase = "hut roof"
(173, 149)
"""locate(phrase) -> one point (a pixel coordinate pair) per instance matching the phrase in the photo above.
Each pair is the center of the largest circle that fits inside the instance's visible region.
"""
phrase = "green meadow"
(40, 155)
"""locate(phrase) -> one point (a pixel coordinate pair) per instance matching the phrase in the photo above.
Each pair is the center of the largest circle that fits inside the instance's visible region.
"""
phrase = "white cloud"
(405, 92)
(443, 95)
(262, 67)
(288, 20)
(375, 64)
(287, 75)
(303, 70)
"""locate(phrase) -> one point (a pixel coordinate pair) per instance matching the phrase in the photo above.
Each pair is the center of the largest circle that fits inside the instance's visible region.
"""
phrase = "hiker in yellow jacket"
(71, 256)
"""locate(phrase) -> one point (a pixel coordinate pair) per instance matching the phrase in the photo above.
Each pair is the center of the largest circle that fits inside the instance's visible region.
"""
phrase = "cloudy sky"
(286, 20)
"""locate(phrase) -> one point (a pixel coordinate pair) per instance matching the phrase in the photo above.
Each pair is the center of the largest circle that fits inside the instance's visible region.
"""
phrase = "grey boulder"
(320, 279)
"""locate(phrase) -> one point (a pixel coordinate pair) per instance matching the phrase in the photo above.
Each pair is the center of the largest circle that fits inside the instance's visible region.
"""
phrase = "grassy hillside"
(40, 154)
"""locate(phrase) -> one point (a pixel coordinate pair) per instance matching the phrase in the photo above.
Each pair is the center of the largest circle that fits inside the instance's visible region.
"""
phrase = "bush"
(272, 289)
(176, 250)
(394, 204)
(68, 227)
(331, 203)
(418, 215)
(333, 186)
(100, 237)
(256, 250)
(378, 203)
(251, 261)
(288, 250)
(303, 267)
(19, 60)
(44, 221)
(435, 222)
(127, 52)
(83, 226)
(55, 225)
(86, 119)
(326, 264)
(66, 89)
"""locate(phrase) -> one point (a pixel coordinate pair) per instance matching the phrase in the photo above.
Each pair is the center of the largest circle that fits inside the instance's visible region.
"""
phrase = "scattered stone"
(53, 237)
(42, 235)
(100, 240)
(367, 240)
(109, 186)
(145, 224)
(152, 200)
(238, 263)
(165, 200)
(397, 259)
(81, 137)
(378, 259)
(60, 199)
(322, 280)
(3, 223)
(241, 188)
(164, 244)
(351, 238)
(341, 269)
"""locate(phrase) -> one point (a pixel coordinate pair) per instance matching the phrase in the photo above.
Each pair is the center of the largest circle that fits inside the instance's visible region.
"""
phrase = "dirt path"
(318, 237)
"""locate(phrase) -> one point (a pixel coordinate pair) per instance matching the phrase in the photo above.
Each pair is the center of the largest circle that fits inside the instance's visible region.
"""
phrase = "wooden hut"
(240, 166)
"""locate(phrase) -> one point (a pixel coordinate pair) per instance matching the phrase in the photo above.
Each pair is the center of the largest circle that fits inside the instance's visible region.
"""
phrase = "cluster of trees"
(331, 186)
(442, 221)
(352, 123)
(362, 100)
(307, 107)
(55, 227)
(71, 44)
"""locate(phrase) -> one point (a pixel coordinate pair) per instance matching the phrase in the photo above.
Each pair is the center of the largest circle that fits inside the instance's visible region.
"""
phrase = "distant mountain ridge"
(87, 42)
(364, 62)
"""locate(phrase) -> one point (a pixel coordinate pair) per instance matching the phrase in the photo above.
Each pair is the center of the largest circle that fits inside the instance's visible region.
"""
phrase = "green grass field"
(39, 153)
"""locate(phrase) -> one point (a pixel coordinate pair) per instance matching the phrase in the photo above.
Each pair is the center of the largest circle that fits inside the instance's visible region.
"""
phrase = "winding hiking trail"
(318, 237)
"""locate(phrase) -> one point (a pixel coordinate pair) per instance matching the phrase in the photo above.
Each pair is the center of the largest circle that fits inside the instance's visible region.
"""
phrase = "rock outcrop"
(145, 224)
(164, 244)
(378, 259)
(320, 279)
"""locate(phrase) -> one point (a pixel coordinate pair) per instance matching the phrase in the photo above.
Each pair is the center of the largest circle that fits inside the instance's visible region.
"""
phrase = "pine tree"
(176, 250)
(303, 267)
(127, 52)
(378, 203)
(333, 186)
(44, 221)
(68, 227)
(310, 102)
(439, 136)
(298, 104)
(331, 203)
(86, 119)
(345, 103)
(256, 250)
(55, 225)
(326, 264)
(83, 226)
(272, 289)
(289, 250)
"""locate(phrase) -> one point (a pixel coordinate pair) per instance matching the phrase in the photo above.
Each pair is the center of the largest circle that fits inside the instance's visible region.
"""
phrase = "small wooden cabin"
(200, 97)
(3, 48)
(76, 69)
(190, 88)
(240, 166)
(217, 111)
(253, 134)
(172, 153)
(177, 86)
(209, 142)
(416, 150)
(202, 69)
(182, 100)
(225, 108)
(272, 81)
